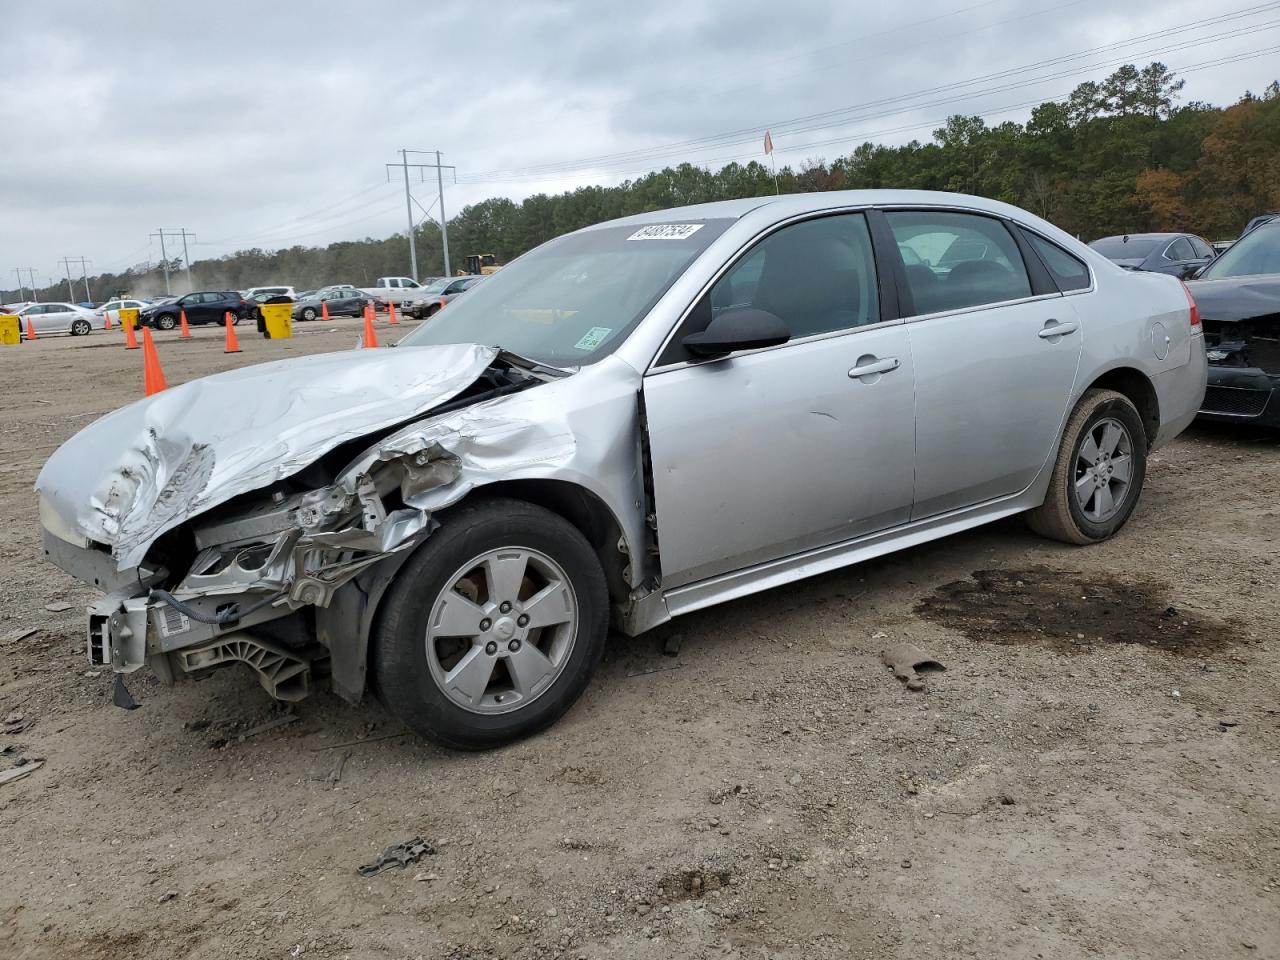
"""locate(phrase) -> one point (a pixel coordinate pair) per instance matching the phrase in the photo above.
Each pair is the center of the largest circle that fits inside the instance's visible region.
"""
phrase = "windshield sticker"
(667, 231)
(593, 338)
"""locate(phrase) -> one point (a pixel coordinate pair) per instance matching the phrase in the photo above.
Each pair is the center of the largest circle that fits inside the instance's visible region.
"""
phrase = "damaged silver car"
(631, 422)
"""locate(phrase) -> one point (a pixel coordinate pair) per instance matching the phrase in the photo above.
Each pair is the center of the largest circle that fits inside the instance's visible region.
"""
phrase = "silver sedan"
(631, 422)
(49, 318)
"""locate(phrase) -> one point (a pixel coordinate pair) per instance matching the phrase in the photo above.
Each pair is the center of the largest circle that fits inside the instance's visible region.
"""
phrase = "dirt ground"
(1095, 774)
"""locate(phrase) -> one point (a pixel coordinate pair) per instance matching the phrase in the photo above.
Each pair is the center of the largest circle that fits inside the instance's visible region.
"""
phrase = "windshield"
(1257, 252)
(573, 300)
(1133, 248)
(437, 286)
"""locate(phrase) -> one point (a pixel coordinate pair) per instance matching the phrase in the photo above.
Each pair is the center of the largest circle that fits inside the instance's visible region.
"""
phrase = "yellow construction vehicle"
(480, 264)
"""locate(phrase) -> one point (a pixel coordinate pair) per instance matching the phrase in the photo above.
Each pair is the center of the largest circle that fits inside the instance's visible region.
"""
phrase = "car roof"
(1145, 236)
(792, 204)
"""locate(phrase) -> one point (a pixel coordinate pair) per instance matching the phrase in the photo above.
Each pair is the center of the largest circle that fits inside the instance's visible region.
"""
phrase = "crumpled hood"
(1237, 298)
(143, 469)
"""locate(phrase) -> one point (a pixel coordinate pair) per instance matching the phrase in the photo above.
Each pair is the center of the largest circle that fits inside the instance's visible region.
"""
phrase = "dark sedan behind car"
(341, 303)
(1238, 296)
(1177, 254)
(207, 306)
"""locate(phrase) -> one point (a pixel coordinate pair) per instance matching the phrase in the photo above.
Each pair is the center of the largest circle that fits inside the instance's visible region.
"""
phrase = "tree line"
(1117, 156)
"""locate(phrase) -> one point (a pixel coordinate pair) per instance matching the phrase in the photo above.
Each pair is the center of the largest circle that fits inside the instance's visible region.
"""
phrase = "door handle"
(869, 366)
(1053, 328)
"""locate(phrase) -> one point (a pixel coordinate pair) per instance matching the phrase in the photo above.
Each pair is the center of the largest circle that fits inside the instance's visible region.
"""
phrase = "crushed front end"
(1244, 369)
(223, 518)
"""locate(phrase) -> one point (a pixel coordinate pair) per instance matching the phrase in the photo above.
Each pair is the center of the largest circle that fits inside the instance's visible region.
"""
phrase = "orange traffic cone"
(152, 376)
(324, 310)
(182, 326)
(106, 319)
(31, 331)
(391, 313)
(130, 338)
(370, 338)
(233, 345)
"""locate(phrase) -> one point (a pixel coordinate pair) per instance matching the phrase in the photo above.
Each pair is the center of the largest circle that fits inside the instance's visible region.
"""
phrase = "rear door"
(996, 347)
(768, 453)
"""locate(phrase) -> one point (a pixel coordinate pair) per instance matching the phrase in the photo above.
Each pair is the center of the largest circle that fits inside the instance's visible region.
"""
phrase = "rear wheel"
(493, 629)
(80, 327)
(1098, 476)
(166, 322)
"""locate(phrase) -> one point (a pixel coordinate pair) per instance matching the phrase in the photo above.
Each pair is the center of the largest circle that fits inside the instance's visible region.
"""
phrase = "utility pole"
(66, 262)
(408, 201)
(186, 258)
(21, 289)
(31, 274)
(71, 293)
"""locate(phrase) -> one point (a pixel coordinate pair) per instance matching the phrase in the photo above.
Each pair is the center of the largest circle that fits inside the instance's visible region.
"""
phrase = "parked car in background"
(456, 522)
(207, 306)
(404, 292)
(1259, 221)
(440, 292)
(1238, 296)
(114, 306)
(1177, 254)
(261, 293)
(341, 303)
(1220, 246)
(60, 318)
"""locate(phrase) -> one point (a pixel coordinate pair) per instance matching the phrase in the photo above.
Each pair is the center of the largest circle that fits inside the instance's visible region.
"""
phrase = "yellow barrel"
(128, 317)
(278, 319)
(10, 329)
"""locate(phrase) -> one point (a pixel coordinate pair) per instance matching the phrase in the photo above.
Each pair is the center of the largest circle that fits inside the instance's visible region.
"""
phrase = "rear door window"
(1180, 249)
(965, 260)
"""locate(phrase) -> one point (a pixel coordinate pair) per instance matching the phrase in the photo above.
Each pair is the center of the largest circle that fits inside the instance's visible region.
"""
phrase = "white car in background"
(115, 306)
(59, 318)
(262, 293)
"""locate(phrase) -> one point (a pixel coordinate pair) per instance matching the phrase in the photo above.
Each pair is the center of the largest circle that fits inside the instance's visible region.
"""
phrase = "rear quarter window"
(1068, 271)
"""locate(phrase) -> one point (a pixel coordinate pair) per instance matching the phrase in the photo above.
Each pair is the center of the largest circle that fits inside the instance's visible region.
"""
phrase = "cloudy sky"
(269, 124)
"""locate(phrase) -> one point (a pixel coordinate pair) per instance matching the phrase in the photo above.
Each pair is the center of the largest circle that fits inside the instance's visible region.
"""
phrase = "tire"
(433, 310)
(80, 328)
(308, 314)
(235, 317)
(410, 662)
(1088, 516)
(166, 322)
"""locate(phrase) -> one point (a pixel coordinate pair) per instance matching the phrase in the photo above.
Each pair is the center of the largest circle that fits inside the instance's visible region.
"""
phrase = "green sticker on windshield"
(593, 338)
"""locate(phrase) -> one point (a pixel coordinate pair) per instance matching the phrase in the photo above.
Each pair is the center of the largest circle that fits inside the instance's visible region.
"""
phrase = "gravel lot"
(1095, 774)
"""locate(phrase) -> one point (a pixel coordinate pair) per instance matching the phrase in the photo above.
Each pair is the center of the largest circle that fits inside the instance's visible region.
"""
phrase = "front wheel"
(1098, 476)
(308, 314)
(80, 328)
(166, 322)
(493, 629)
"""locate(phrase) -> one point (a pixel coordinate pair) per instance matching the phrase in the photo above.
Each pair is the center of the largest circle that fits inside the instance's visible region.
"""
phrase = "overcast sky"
(268, 123)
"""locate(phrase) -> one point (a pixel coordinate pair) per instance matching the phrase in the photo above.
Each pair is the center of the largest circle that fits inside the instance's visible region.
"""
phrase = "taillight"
(443, 303)
(1194, 318)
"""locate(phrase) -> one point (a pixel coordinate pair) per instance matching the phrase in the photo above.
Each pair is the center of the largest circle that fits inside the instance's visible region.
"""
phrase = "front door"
(768, 453)
(995, 363)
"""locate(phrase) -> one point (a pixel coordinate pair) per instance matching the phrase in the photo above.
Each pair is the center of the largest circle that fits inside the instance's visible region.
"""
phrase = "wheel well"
(1137, 387)
(585, 511)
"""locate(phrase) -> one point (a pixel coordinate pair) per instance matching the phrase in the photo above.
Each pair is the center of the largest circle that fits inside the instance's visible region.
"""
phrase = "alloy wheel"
(502, 630)
(1103, 470)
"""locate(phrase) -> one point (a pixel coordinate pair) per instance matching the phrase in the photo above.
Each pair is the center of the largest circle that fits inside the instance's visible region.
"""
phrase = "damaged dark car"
(1238, 296)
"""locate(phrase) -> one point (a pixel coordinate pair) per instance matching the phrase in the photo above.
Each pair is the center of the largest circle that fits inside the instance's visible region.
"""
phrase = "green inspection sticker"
(593, 338)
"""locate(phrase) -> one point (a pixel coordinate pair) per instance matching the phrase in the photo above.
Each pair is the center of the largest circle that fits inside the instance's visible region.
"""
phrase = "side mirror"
(732, 330)
(1192, 271)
